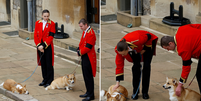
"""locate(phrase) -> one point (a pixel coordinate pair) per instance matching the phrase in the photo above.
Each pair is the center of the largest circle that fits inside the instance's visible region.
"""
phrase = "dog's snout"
(27, 92)
(163, 86)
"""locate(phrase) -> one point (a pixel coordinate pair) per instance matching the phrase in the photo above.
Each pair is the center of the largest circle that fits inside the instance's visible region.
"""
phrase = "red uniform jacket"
(136, 41)
(188, 41)
(86, 46)
(45, 37)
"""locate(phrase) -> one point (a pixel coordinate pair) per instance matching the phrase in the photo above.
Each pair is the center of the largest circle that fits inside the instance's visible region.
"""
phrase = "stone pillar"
(30, 16)
(23, 14)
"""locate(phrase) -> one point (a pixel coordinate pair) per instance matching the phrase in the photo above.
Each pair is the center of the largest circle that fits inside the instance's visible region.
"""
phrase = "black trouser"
(88, 76)
(198, 73)
(46, 65)
(147, 58)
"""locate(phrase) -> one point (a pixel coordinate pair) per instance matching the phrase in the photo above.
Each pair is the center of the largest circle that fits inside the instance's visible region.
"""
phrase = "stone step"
(158, 25)
(145, 19)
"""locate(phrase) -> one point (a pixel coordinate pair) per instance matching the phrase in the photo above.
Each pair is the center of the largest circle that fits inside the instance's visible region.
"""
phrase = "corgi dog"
(15, 87)
(63, 82)
(186, 94)
(120, 94)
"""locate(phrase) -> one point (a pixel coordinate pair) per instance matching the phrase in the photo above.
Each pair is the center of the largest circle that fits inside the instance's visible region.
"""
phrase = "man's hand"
(116, 86)
(178, 89)
(142, 52)
(78, 53)
(40, 48)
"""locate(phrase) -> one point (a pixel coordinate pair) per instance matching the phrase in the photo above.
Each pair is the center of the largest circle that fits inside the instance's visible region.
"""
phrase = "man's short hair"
(83, 21)
(166, 39)
(122, 45)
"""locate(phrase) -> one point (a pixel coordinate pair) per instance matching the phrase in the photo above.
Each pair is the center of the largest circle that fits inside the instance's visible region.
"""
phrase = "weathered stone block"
(23, 33)
(145, 20)
(198, 19)
(158, 25)
(124, 19)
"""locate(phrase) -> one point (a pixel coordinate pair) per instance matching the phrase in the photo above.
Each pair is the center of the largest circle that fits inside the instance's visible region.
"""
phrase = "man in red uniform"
(133, 47)
(187, 43)
(87, 52)
(43, 38)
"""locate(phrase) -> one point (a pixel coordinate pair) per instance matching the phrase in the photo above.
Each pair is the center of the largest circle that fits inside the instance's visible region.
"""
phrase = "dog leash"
(78, 63)
(191, 81)
(139, 83)
(123, 95)
(33, 71)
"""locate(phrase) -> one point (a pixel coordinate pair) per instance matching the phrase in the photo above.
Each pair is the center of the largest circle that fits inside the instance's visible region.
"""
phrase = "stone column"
(30, 16)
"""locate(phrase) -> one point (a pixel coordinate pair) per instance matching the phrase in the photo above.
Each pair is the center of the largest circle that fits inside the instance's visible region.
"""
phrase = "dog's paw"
(46, 88)
(67, 88)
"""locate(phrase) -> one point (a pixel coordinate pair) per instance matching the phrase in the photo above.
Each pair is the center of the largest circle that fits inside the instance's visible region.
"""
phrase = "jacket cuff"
(120, 77)
(45, 45)
(182, 80)
(79, 53)
(38, 45)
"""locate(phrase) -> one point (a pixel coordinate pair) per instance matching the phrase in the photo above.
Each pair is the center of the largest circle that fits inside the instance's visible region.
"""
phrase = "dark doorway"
(8, 11)
(23, 14)
(93, 11)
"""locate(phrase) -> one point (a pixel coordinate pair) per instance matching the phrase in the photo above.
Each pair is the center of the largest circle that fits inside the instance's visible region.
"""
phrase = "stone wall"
(39, 9)
(161, 8)
(15, 10)
(146, 7)
(111, 5)
(3, 15)
(66, 12)
(16, 4)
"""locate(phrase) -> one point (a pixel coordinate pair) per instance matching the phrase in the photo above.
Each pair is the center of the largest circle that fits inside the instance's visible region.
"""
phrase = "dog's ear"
(108, 95)
(103, 93)
(24, 86)
(117, 97)
(74, 73)
(174, 81)
(67, 76)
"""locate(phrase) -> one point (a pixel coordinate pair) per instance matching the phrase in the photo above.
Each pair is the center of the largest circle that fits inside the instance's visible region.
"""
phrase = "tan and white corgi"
(120, 94)
(186, 94)
(67, 82)
(15, 87)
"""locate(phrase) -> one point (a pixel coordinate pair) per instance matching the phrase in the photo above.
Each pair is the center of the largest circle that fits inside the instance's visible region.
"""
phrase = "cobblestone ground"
(4, 98)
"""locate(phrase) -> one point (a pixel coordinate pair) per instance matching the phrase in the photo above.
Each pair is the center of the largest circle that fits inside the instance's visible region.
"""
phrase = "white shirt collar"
(86, 31)
(129, 49)
(44, 23)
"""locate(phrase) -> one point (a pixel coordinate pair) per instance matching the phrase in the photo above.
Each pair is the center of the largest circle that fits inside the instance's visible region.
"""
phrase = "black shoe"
(46, 85)
(134, 97)
(145, 96)
(85, 95)
(88, 99)
(42, 84)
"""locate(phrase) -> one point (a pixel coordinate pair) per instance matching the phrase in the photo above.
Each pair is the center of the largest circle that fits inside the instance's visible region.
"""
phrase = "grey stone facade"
(38, 9)
(16, 4)
(146, 7)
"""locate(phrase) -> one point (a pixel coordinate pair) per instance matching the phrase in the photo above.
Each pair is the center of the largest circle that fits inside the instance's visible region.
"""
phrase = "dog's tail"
(2, 84)
(103, 93)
